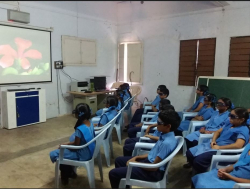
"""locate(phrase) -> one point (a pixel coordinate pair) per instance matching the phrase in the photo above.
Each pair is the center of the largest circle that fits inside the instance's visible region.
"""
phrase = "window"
(130, 62)
(196, 59)
(239, 57)
(78, 51)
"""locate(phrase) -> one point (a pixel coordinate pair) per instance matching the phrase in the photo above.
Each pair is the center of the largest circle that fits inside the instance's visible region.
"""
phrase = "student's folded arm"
(153, 137)
(238, 180)
(157, 160)
(216, 134)
(154, 109)
(237, 145)
(199, 107)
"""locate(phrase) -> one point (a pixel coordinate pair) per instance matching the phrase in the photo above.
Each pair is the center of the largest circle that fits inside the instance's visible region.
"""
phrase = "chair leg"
(100, 165)
(118, 131)
(111, 146)
(106, 151)
(91, 174)
(57, 174)
(184, 148)
(122, 183)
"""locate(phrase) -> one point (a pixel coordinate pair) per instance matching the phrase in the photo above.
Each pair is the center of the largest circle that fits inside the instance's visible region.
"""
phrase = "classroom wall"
(161, 35)
(95, 21)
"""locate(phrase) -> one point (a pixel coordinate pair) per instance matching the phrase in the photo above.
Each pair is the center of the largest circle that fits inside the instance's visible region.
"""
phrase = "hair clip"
(81, 113)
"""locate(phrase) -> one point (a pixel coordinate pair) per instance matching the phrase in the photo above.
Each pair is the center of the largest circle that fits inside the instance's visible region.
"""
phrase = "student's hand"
(131, 160)
(207, 132)
(202, 130)
(147, 135)
(59, 146)
(223, 175)
(213, 143)
(95, 124)
(139, 125)
(216, 147)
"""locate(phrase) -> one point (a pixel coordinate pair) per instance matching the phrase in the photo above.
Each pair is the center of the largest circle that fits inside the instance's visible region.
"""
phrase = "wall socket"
(58, 64)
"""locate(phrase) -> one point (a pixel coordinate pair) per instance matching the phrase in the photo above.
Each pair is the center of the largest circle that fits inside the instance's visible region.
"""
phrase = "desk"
(94, 99)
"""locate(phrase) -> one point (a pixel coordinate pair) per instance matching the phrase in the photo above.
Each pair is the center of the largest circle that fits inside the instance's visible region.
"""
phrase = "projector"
(18, 16)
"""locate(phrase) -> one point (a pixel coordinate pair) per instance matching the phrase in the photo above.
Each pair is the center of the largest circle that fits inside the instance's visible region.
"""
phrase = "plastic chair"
(107, 141)
(166, 161)
(89, 165)
(146, 108)
(188, 114)
(241, 185)
(135, 90)
(192, 126)
(118, 126)
(116, 85)
(144, 119)
(129, 111)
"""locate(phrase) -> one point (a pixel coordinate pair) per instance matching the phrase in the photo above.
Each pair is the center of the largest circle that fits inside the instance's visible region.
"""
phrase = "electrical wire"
(66, 75)
(69, 75)
(60, 86)
(58, 104)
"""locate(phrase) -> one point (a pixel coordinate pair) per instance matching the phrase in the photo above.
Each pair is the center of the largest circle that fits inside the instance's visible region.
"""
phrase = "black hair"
(170, 117)
(227, 102)
(82, 112)
(204, 89)
(112, 100)
(242, 113)
(125, 86)
(212, 98)
(120, 94)
(167, 107)
(160, 87)
(163, 102)
(165, 91)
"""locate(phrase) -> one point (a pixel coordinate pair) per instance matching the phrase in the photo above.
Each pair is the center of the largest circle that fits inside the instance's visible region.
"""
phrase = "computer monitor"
(100, 83)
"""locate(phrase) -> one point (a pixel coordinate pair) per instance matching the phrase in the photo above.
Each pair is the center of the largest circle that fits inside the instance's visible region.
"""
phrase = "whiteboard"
(78, 51)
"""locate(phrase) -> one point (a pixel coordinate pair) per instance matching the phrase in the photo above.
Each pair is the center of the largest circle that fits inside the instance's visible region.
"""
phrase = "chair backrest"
(99, 140)
(120, 122)
(191, 124)
(135, 90)
(116, 85)
(168, 160)
(132, 100)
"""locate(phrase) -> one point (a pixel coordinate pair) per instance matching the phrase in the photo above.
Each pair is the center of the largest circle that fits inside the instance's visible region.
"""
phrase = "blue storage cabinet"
(27, 108)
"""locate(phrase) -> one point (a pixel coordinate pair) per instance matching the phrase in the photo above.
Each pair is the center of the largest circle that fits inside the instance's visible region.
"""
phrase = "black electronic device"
(100, 83)
(18, 89)
(88, 92)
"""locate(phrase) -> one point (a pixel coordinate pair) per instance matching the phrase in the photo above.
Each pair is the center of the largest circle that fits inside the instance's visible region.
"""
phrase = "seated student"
(127, 95)
(204, 114)
(83, 134)
(202, 90)
(130, 142)
(138, 113)
(228, 176)
(234, 135)
(216, 121)
(111, 104)
(168, 121)
(136, 127)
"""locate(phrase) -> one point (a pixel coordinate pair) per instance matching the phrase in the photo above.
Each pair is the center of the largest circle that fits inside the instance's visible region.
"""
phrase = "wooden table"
(95, 100)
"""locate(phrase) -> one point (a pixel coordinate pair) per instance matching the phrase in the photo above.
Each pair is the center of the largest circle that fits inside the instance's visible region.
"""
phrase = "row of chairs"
(103, 138)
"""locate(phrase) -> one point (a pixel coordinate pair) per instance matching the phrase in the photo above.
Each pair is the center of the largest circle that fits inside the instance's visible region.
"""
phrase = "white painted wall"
(161, 35)
(92, 24)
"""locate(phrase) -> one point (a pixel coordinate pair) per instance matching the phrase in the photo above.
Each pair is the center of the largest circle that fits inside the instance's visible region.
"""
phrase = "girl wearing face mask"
(233, 135)
(217, 120)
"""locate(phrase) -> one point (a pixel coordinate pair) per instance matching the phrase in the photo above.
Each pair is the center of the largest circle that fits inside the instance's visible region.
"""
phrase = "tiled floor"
(25, 162)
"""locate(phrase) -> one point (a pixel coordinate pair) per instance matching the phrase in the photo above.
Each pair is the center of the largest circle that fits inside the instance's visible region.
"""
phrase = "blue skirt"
(211, 180)
(72, 155)
(184, 125)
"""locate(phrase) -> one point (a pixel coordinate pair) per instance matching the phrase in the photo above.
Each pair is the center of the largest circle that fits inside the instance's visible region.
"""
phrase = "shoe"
(73, 175)
(187, 166)
(65, 181)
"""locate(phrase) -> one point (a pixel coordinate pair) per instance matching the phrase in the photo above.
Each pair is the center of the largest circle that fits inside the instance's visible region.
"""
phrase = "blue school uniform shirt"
(156, 100)
(217, 120)
(107, 116)
(205, 112)
(155, 118)
(163, 147)
(196, 104)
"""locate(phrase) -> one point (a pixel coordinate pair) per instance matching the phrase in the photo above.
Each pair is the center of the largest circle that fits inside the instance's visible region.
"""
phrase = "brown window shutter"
(206, 57)
(188, 52)
(239, 58)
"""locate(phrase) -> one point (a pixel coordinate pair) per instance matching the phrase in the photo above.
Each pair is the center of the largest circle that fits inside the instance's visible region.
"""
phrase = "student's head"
(125, 87)
(202, 90)
(210, 100)
(111, 100)
(82, 111)
(167, 107)
(164, 93)
(168, 120)
(163, 102)
(238, 116)
(223, 104)
(160, 87)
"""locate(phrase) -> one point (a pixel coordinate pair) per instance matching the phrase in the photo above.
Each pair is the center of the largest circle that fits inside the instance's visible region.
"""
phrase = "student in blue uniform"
(228, 176)
(136, 127)
(83, 134)
(138, 113)
(202, 91)
(204, 114)
(111, 104)
(130, 142)
(234, 135)
(168, 121)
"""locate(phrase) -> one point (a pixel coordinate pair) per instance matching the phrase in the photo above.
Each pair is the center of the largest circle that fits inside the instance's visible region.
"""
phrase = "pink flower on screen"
(9, 54)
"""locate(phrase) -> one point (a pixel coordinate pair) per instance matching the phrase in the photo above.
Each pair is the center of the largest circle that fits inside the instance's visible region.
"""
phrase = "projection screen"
(25, 55)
